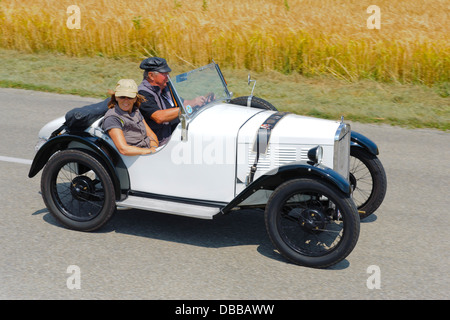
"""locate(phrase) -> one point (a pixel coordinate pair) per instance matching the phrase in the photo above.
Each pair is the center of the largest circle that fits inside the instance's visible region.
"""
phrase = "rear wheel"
(368, 180)
(255, 103)
(312, 223)
(78, 190)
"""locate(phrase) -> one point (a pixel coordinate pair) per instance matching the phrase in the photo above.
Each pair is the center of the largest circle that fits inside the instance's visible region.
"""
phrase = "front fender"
(358, 140)
(301, 169)
(102, 150)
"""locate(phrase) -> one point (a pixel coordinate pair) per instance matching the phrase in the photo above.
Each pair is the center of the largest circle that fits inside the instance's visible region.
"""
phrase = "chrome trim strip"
(341, 155)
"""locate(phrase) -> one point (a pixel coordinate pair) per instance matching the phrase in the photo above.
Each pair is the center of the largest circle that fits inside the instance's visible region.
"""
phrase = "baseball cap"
(126, 88)
(155, 64)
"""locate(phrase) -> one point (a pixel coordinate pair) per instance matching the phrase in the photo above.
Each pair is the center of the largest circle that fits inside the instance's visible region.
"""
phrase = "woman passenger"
(125, 124)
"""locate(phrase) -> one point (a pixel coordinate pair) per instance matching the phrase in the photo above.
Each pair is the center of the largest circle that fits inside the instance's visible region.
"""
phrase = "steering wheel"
(210, 97)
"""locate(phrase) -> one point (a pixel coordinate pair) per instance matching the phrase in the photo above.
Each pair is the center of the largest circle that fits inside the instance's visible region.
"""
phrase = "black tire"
(312, 223)
(77, 190)
(368, 180)
(256, 103)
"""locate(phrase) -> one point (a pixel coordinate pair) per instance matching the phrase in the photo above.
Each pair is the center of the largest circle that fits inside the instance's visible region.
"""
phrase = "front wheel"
(311, 223)
(77, 190)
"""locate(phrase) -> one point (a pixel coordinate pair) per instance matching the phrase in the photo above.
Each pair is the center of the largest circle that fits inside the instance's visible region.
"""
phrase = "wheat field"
(308, 37)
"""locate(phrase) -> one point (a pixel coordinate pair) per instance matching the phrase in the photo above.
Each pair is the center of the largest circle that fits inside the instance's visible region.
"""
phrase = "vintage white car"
(225, 155)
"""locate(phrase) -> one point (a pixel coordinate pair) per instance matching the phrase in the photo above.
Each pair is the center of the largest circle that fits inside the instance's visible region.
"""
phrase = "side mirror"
(184, 125)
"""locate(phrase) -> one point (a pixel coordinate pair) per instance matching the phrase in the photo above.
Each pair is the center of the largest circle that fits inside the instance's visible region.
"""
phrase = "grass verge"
(414, 106)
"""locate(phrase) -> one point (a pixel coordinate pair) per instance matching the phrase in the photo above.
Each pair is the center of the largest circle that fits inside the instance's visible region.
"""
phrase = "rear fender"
(272, 179)
(97, 147)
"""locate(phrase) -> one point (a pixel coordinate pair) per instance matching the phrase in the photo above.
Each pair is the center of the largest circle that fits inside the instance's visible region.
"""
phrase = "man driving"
(159, 110)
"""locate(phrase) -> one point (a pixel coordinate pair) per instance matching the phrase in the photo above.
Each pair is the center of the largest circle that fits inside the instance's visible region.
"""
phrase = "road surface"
(402, 253)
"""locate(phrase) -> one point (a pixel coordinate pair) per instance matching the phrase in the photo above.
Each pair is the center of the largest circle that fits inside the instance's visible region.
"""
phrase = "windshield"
(199, 88)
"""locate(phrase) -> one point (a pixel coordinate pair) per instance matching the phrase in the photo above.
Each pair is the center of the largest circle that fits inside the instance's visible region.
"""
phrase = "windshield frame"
(220, 86)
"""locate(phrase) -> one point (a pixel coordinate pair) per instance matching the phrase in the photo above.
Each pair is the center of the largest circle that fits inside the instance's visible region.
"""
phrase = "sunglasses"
(122, 98)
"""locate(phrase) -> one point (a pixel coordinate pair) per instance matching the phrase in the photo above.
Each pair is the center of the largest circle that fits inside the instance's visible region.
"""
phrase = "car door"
(201, 167)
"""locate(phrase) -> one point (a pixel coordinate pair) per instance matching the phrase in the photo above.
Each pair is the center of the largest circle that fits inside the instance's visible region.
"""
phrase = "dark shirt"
(162, 130)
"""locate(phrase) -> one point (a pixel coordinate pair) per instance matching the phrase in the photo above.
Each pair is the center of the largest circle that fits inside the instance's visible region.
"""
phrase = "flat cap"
(155, 64)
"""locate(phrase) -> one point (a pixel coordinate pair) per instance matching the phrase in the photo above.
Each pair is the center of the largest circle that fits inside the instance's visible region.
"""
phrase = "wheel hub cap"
(312, 220)
(82, 188)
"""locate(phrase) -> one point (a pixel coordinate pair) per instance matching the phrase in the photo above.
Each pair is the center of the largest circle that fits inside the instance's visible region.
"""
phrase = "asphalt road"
(144, 255)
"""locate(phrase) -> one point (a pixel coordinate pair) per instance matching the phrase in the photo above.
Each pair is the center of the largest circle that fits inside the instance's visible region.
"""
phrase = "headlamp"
(315, 154)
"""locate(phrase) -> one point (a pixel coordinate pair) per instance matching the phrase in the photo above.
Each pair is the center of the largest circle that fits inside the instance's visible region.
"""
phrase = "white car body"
(214, 162)
(224, 155)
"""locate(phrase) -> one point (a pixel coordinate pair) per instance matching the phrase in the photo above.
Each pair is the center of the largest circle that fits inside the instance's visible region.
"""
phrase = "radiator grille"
(341, 157)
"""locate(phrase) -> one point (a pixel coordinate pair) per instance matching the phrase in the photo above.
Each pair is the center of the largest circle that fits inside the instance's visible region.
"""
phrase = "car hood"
(292, 129)
(244, 123)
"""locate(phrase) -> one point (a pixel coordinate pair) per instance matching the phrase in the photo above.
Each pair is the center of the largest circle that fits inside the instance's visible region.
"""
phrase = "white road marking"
(16, 160)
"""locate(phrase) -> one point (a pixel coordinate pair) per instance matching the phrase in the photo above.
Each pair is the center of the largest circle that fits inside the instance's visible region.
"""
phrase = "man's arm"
(167, 115)
(150, 110)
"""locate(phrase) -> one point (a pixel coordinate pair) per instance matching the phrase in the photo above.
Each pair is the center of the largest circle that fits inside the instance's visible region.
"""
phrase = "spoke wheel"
(368, 181)
(77, 190)
(311, 223)
(255, 103)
